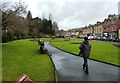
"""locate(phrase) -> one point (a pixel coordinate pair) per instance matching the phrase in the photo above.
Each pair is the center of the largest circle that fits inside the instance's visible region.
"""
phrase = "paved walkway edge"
(55, 71)
(89, 58)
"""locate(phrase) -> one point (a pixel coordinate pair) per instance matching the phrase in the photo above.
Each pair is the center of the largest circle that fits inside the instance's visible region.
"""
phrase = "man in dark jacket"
(85, 48)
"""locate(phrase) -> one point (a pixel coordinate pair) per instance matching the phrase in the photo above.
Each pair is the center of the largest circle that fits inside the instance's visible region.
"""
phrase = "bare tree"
(20, 8)
(8, 12)
(13, 20)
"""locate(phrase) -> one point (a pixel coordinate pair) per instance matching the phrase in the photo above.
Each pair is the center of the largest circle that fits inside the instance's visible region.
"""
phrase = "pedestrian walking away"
(85, 49)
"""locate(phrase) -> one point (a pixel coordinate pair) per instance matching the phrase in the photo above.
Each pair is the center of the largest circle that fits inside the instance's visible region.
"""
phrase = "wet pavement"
(69, 67)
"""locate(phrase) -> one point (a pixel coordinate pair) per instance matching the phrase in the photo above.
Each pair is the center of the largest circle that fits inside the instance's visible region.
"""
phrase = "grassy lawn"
(103, 51)
(52, 40)
(23, 57)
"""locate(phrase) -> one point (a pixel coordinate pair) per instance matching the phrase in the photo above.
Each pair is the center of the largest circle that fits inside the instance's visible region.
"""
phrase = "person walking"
(85, 48)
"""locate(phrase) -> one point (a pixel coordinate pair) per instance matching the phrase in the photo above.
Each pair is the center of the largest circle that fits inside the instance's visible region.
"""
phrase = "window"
(105, 28)
(113, 28)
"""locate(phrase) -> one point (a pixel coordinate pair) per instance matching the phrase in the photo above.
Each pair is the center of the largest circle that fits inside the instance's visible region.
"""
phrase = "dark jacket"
(85, 48)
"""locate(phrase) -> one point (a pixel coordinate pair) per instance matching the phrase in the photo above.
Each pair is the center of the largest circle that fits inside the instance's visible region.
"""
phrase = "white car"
(90, 37)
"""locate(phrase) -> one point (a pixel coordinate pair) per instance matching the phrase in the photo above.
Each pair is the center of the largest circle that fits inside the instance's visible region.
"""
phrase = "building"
(91, 29)
(86, 31)
(119, 26)
(98, 29)
(110, 26)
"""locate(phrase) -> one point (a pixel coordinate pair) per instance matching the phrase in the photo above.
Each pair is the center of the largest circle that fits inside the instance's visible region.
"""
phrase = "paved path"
(69, 67)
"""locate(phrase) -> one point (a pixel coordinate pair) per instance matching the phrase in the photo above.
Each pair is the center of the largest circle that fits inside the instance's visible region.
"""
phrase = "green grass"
(46, 39)
(23, 57)
(52, 40)
(102, 51)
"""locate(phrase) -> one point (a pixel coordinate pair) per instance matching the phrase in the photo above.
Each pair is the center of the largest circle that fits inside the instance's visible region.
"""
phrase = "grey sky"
(72, 13)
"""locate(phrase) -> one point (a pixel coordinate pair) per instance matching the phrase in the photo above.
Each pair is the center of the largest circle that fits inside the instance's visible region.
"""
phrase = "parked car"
(90, 37)
(94, 38)
(98, 38)
(104, 39)
(116, 40)
(110, 39)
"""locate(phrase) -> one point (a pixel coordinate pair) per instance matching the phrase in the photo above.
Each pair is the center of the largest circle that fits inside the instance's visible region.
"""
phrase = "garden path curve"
(69, 67)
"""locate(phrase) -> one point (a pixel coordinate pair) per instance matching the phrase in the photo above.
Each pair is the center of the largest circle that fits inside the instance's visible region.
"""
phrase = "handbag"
(80, 53)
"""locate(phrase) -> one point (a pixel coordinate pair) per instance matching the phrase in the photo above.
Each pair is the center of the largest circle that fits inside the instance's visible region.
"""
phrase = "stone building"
(98, 29)
(110, 26)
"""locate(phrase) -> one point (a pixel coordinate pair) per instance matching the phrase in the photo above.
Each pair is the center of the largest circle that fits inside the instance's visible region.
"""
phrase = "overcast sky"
(72, 13)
